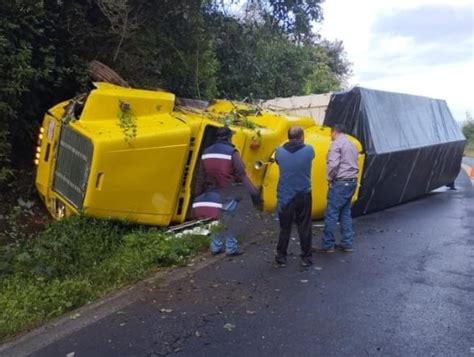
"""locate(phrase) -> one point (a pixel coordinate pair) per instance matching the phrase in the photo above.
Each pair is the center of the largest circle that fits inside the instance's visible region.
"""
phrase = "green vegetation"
(77, 260)
(127, 122)
(469, 149)
(468, 131)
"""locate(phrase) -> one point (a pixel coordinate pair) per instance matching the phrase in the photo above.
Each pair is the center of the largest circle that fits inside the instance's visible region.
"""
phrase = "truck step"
(188, 225)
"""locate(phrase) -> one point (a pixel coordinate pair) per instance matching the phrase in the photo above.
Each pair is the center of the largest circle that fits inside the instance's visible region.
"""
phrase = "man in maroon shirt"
(221, 165)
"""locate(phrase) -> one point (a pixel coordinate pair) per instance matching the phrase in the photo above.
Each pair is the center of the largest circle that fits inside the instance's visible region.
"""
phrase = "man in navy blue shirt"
(294, 194)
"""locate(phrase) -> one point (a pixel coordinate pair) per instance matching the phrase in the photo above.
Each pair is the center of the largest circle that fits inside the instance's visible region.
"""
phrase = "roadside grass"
(469, 150)
(77, 260)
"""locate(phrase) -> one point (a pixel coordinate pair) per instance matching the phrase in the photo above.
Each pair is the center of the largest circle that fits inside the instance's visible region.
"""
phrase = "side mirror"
(259, 164)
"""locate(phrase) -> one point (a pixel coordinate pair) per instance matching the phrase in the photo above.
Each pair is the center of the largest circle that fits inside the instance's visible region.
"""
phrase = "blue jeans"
(231, 244)
(339, 209)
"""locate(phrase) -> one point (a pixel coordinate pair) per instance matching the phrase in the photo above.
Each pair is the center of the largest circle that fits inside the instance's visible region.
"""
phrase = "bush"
(5, 171)
(69, 247)
(468, 127)
(77, 260)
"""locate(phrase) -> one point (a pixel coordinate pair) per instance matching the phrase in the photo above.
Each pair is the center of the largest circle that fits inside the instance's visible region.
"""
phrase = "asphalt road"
(468, 161)
(407, 290)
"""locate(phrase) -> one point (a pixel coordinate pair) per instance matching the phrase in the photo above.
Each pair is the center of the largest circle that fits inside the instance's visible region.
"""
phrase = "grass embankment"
(77, 260)
(469, 150)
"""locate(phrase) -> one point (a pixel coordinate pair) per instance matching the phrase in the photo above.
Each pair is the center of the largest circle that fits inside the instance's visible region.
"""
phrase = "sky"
(422, 47)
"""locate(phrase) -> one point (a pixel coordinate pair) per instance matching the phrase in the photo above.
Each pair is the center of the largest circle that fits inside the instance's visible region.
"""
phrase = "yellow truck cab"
(133, 154)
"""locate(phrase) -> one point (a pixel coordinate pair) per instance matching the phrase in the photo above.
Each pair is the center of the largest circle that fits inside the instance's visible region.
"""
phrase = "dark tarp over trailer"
(412, 144)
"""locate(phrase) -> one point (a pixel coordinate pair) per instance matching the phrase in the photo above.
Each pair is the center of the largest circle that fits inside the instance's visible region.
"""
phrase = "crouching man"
(221, 165)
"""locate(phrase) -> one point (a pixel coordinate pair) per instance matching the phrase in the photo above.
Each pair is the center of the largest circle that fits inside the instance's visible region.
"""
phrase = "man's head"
(224, 133)
(337, 130)
(296, 133)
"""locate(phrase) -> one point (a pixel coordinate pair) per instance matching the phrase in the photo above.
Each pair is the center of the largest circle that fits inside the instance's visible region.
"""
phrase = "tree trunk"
(99, 72)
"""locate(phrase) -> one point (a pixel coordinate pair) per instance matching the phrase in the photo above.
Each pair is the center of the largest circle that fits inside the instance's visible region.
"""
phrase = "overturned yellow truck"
(133, 154)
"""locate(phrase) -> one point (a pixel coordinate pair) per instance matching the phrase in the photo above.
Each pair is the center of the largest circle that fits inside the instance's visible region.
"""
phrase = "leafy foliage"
(35, 61)
(468, 131)
(257, 61)
(76, 260)
(293, 17)
(127, 122)
(6, 173)
(468, 127)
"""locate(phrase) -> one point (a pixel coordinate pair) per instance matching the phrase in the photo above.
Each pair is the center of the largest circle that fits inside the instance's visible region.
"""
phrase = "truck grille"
(72, 166)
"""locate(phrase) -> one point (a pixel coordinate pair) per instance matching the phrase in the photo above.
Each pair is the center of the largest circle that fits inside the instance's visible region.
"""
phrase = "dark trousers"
(298, 211)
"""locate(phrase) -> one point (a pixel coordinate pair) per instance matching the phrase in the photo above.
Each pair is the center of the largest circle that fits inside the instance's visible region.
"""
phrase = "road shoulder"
(469, 169)
(86, 315)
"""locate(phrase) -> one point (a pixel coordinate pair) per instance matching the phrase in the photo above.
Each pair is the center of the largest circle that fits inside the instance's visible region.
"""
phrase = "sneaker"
(280, 261)
(322, 250)
(218, 252)
(235, 254)
(344, 249)
(306, 262)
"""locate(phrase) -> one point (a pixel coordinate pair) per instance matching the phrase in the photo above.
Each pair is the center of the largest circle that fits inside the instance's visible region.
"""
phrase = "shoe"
(218, 252)
(306, 262)
(235, 254)
(322, 250)
(280, 261)
(344, 249)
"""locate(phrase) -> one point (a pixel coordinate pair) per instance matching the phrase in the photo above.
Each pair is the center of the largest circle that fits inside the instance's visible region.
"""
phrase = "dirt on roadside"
(22, 213)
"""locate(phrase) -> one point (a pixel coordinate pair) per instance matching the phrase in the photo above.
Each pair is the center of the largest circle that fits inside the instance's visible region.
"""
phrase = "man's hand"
(257, 199)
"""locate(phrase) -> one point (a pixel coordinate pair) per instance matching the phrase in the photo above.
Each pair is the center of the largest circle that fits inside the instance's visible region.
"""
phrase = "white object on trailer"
(313, 106)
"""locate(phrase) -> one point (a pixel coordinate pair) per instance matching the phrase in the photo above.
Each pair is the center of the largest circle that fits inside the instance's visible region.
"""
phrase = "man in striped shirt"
(221, 165)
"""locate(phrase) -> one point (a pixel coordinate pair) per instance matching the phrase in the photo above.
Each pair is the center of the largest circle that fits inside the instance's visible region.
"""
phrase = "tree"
(124, 19)
(255, 59)
(468, 127)
(293, 17)
(330, 68)
(27, 58)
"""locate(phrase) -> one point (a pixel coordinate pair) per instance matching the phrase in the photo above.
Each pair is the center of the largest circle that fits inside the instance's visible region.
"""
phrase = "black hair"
(295, 133)
(224, 133)
(339, 128)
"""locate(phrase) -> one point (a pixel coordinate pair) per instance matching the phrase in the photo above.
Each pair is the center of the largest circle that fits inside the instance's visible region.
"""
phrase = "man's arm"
(239, 173)
(277, 155)
(333, 161)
